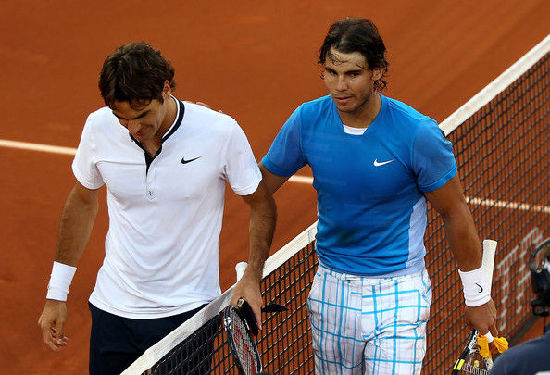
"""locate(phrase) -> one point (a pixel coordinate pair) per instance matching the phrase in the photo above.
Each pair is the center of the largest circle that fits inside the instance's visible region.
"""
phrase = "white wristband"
(60, 279)
(477, 287)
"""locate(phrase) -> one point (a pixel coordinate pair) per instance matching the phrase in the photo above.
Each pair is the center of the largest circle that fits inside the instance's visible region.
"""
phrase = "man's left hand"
(482, 318)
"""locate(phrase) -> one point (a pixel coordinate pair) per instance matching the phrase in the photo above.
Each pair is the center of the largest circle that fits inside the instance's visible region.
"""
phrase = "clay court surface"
(254, 60)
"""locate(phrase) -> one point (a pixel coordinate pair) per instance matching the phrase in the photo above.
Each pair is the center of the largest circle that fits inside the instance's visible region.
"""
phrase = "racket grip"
(239, 269)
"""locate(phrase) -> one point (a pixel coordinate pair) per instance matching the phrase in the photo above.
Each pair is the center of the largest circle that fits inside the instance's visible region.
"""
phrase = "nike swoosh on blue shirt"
(379, 164)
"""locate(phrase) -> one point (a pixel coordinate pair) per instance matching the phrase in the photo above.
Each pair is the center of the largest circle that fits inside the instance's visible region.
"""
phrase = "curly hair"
(135, 73)
(357, 35)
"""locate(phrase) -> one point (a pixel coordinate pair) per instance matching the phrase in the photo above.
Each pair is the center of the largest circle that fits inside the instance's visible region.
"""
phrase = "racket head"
(470, 360)
(242, 343)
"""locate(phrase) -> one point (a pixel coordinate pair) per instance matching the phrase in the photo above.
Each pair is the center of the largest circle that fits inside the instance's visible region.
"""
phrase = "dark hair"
(135, 73)
(357, 35)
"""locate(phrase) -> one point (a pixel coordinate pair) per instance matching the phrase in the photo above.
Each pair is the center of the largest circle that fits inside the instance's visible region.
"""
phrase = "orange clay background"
(254, 60)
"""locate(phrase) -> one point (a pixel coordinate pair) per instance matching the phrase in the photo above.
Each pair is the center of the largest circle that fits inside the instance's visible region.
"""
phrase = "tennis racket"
(237, 323)
(241, 327)
(470, 360)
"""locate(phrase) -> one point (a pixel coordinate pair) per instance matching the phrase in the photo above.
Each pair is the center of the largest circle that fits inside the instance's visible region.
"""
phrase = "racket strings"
(475, 364)
(471, 361)
(243, 344)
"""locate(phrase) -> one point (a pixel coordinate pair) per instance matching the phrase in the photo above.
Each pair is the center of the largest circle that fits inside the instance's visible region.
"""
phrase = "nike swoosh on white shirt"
(377, 164)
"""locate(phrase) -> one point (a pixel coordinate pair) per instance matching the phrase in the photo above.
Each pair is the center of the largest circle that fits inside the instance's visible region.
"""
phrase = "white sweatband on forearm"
(477, 283)
(60, 279)
(477, 286)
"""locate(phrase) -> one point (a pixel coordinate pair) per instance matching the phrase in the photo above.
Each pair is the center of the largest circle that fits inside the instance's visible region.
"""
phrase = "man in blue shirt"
(376, 162)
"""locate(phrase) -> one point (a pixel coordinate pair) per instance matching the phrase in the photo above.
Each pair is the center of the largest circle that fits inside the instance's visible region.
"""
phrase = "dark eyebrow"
(351, 71)
(137, 118)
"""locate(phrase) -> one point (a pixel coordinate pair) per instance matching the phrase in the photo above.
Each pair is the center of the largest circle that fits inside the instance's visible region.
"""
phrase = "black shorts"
(116, 342)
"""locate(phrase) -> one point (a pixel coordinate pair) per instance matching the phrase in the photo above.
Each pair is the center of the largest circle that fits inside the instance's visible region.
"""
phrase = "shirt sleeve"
(285, 155)
(432, 158)
(84, 163)
(241, 169)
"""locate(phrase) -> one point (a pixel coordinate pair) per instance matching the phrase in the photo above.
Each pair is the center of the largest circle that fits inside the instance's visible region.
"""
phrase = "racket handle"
(239, 269)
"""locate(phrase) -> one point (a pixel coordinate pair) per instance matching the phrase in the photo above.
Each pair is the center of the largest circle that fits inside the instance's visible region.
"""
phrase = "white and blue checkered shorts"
(364, 325)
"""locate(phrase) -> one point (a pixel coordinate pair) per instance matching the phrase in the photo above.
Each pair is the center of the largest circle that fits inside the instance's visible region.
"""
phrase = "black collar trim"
(181, 110)
(149, 159)
(173, 129)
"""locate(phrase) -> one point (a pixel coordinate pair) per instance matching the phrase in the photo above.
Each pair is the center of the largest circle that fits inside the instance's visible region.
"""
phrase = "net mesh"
(504, 163)
(283, 343)
(503, 160)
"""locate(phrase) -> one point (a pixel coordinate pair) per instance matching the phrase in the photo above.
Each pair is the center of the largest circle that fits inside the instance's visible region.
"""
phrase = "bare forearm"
(77, 221)
(462, 236)
(460, 231)
(262, 225)
(463, 239)
(263, 215)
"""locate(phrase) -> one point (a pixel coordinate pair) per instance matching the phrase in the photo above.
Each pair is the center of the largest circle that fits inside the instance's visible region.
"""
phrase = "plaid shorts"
(364, 325)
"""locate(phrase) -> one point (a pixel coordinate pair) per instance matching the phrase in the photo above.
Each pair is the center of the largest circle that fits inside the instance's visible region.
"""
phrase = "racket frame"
(470, 348)
(229, 315)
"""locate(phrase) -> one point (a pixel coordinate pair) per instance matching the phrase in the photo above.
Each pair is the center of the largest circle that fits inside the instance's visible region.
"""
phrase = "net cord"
(496, 87)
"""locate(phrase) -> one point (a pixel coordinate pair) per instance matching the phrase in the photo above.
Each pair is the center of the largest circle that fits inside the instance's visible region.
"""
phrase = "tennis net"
(500, 138)
(199, 346)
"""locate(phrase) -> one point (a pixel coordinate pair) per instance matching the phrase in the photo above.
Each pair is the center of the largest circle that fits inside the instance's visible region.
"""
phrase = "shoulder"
(404, 110)
(101, 115)
(196, 115)
(413, 126)
(316, 107)
(309, 114)
(100, 124)
(408, 116)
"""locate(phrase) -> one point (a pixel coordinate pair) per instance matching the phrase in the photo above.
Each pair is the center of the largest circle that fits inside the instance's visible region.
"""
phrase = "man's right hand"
(52, 322)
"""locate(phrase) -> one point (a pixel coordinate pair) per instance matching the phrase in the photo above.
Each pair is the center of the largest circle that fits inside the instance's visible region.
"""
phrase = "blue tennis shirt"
(372, 211)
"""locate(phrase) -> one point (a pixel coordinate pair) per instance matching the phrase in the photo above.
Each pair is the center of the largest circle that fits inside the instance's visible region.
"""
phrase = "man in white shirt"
(165, 164)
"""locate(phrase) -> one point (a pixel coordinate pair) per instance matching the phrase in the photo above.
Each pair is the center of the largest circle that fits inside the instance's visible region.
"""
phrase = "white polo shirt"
(162, 246)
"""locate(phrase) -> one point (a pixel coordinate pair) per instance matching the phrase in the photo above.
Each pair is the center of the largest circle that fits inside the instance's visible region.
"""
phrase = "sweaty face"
(349, 80)
(143, 120)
